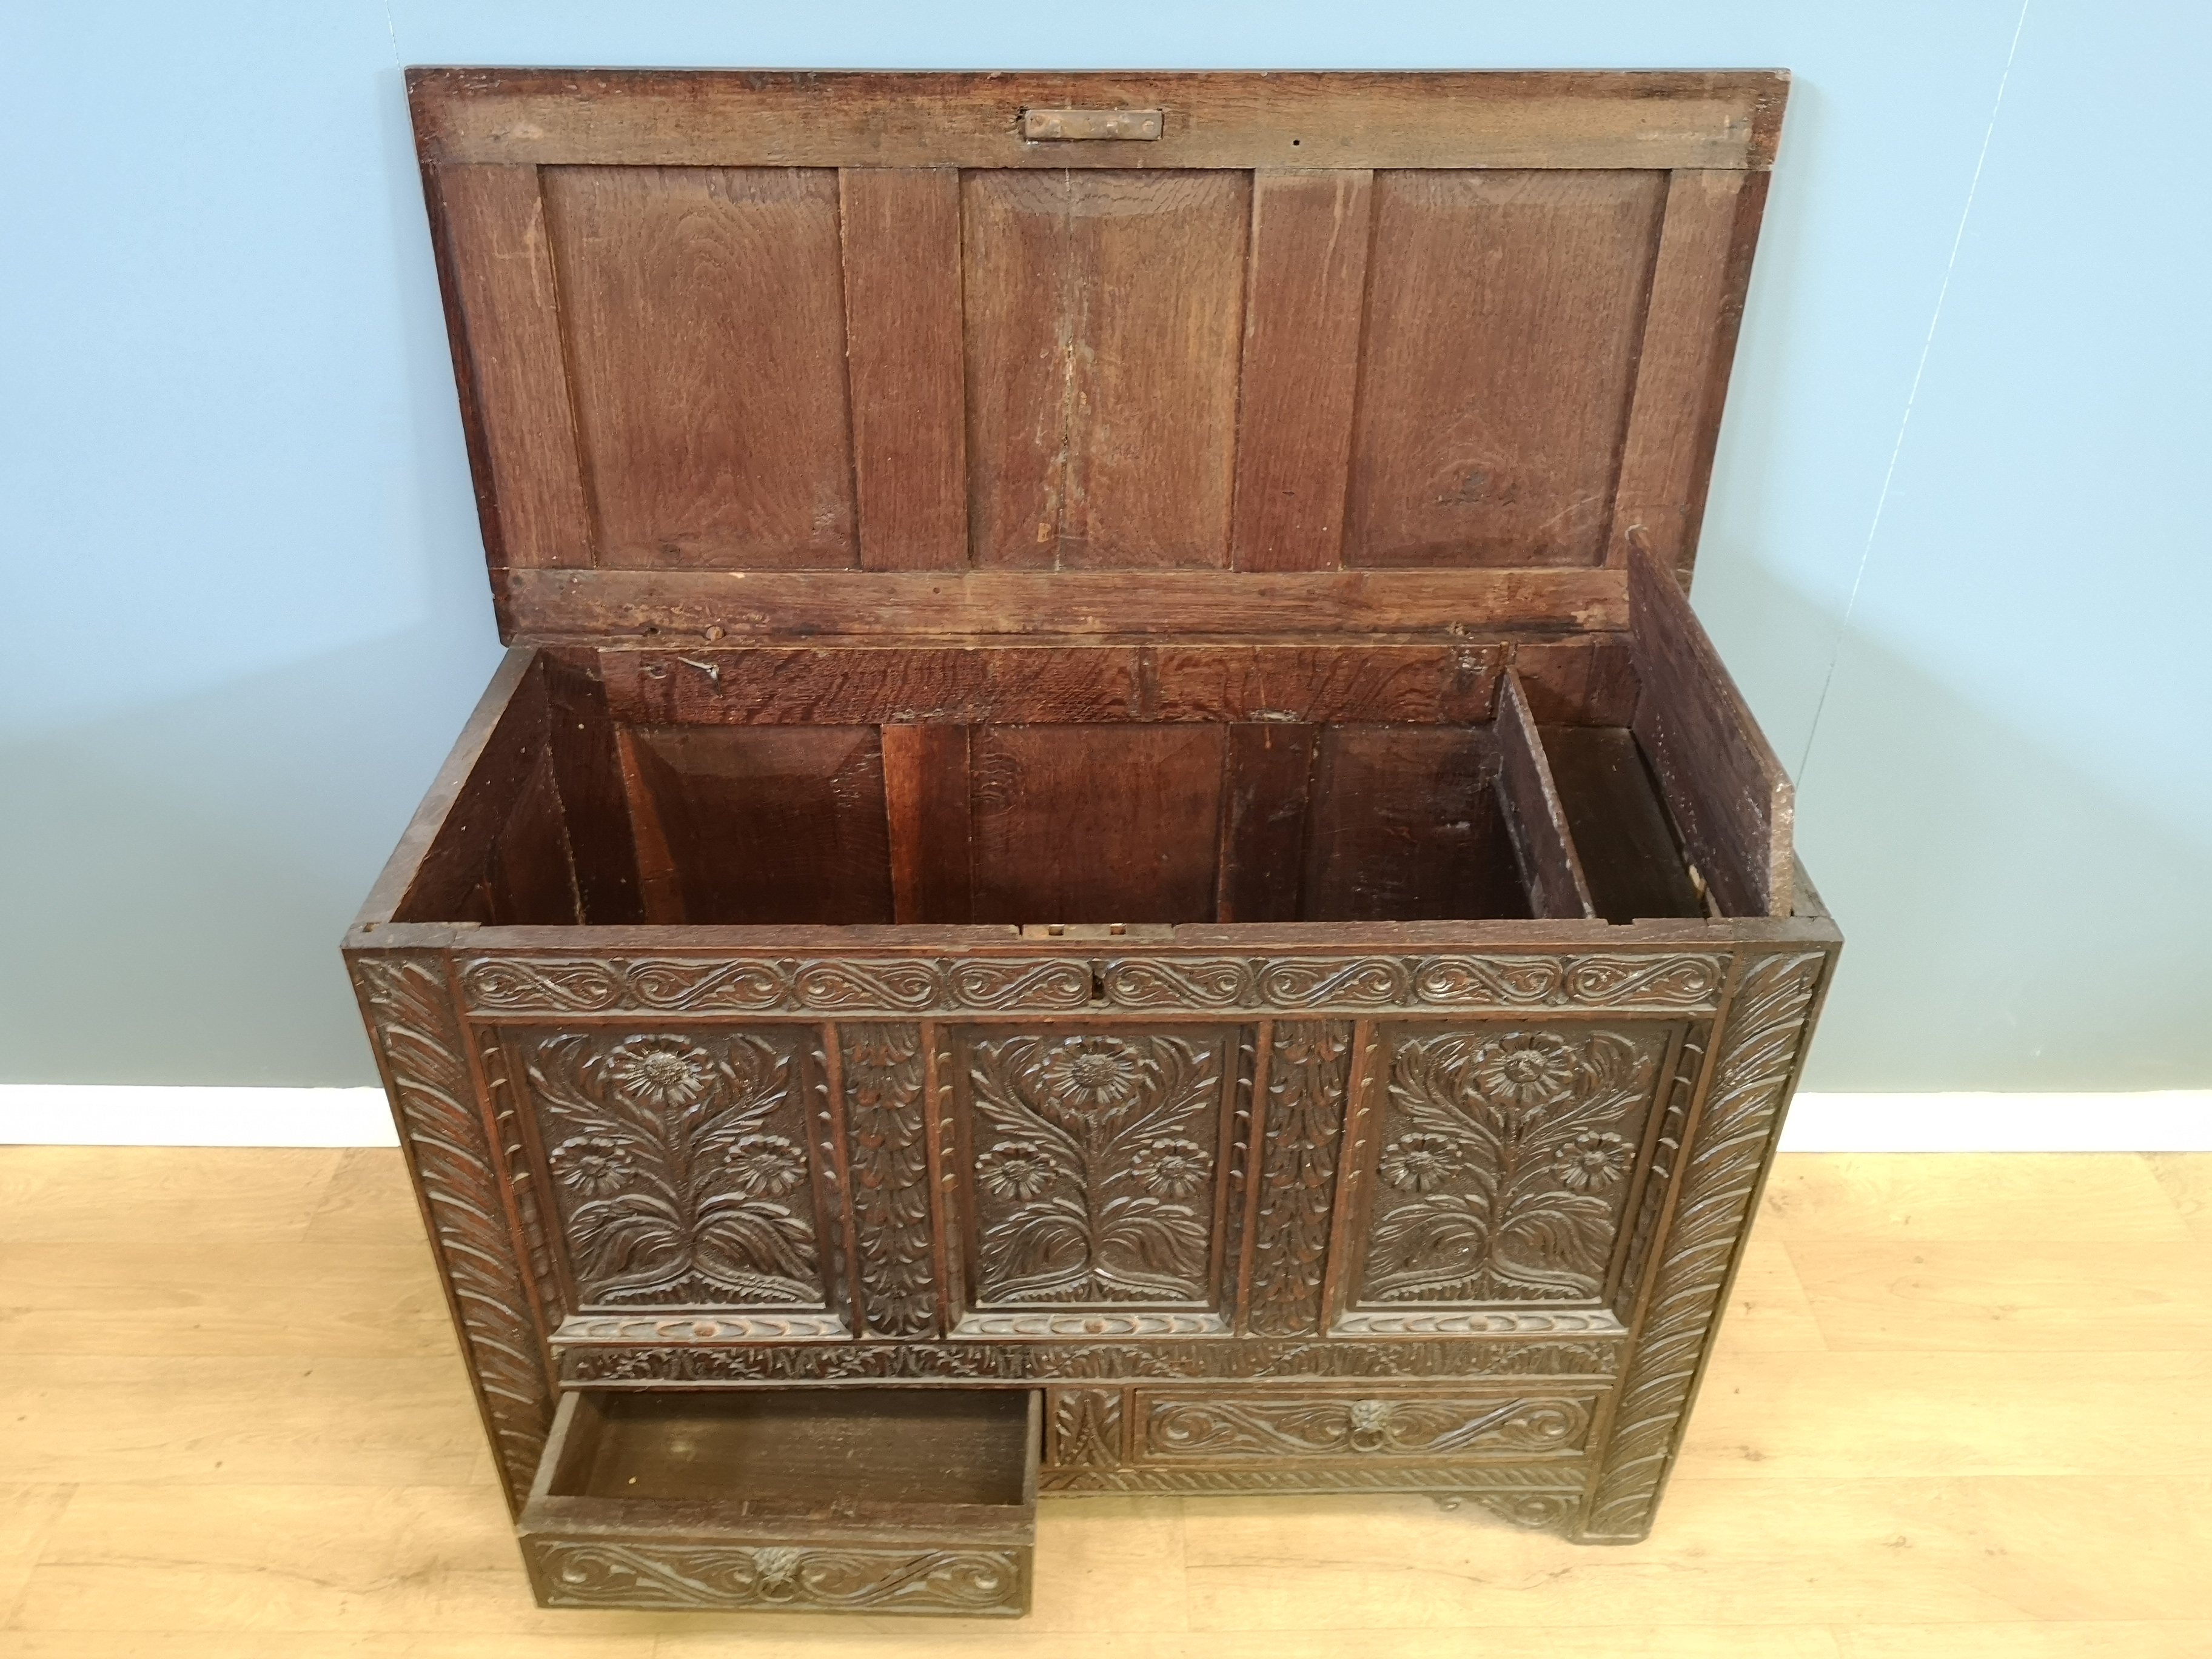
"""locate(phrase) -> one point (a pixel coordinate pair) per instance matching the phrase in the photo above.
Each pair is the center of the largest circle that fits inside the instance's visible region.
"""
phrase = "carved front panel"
(1189, 1428)
(1094, 1162)
(680, 1163)
(1503, 1157)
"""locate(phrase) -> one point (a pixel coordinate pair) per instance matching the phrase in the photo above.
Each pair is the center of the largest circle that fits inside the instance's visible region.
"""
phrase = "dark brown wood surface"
(903, 338)
(1504, 314)
(1107, 760)
(662, 118)
(1542, 840)
(781, 325)
(1729, 794)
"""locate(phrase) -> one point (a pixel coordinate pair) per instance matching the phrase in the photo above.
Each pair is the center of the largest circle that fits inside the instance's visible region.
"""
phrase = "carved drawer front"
(1431, 1426)
(681, 1167)
(1499, 1164)
(806, 1500)
(1094, 1162)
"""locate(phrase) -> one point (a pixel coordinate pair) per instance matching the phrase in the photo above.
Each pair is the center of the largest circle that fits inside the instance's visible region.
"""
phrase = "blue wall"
(1954, 548)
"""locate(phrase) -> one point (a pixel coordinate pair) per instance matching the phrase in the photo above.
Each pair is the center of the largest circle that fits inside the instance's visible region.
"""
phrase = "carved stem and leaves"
(887, 1149)
(1506, 1161)
(1094, 1170)
(682, 1167)
(1304, 1129)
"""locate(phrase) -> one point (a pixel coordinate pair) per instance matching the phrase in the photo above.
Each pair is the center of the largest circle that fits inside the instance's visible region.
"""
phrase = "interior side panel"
(1095, 823)
(1406, 822)
(772, 823)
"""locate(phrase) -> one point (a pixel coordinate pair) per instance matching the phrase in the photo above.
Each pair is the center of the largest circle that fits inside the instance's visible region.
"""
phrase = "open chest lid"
(786, 355)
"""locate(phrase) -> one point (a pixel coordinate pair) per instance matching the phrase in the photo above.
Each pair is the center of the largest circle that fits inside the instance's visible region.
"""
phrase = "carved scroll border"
(1510, 983)
(1730, 1143)
(419, 1045)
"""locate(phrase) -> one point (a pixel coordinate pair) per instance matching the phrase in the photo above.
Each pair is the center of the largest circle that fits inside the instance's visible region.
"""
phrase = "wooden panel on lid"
(664, 117)
(1502, 320)
(1103, 315)
(706, 340)
(787, 356)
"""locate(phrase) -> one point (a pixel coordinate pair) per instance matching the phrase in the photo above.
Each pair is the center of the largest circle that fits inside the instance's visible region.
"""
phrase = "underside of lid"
(856, 354)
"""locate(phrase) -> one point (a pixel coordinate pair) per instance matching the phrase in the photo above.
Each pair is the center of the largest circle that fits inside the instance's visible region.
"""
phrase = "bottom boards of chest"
(921, 1499)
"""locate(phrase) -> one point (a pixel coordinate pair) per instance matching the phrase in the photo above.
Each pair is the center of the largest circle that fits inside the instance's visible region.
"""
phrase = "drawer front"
(1181, 1427)
(729, 1575)
(872, 1500)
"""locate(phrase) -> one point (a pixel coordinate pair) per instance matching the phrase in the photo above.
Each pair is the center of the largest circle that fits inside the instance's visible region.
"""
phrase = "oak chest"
(1107, 858)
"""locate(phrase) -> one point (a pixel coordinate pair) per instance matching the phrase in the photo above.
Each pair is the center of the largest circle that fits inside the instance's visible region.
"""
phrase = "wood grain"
(926, 793)
(501, 310)
(773, 823)
(1708, 119)
(1923, 1552)
(1267, 788)
(1407, 825)
(1504, 314)
(1697, 287)
(707, 345)
(1542, 841)
(550, 605)
(1732, 803)
(904, 332)
(1105, 311)
(1099, 824)
(1308, 286)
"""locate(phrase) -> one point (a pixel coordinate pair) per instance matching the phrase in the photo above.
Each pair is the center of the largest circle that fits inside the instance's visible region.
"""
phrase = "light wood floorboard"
(1962, 1409)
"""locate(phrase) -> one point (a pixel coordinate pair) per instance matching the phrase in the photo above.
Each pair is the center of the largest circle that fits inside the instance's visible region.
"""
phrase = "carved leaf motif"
(418, 1038)
(677, 984)
(680, 1163)
(889, 1157)
(989, 983)
(1178, 983)
(1086, 1428)
(1506, 1163)
(1314, 983)
(542, 982)
(1095, 1182)
(1304, 1125)
(837, 985)
(650, 1573)
(1682, 981)
(1488, 981)
(1729, 1146)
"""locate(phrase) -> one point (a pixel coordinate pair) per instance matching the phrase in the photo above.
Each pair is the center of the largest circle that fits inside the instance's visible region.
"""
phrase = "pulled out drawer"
(874, 1500)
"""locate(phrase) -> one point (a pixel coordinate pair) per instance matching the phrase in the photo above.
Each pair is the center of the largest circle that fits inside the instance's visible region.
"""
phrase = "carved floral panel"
(679, 1164)
(1505, 1157)
(1095, 1161)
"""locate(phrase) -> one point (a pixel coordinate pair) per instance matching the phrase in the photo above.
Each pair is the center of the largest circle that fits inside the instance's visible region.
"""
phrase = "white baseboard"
(119, 1115)
(99, 1114)
(2161, 1121)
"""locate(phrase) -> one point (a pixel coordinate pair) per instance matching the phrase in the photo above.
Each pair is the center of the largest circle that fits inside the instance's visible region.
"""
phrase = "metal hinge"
(1070, 124)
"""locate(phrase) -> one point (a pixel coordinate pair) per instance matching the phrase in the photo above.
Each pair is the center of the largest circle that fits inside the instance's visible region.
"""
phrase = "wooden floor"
(1963, 1408)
